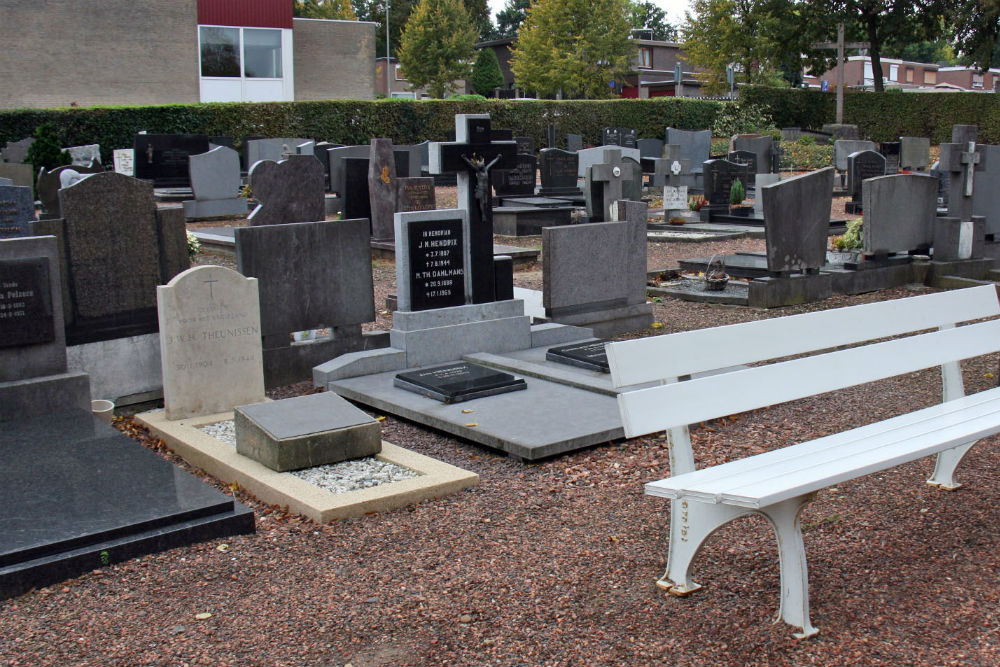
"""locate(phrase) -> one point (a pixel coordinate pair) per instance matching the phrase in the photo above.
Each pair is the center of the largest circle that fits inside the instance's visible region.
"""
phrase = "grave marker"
(431, 260)
(17, 210)
(415, 194)
(287, 191)
(860, 167)
(559, 171)
(381, 189)
(215, 180)
(163, 158)
(797, 214)
(124, 159)
(899, 213)
(606, 183)
(519, 180)
(914, 153)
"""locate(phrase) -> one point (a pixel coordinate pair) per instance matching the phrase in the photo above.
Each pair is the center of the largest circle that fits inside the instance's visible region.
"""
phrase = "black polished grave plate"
(459, 381)
(77, 494)
(590, 355)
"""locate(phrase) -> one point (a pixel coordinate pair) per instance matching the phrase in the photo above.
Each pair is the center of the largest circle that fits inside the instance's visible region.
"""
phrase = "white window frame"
(250, 89)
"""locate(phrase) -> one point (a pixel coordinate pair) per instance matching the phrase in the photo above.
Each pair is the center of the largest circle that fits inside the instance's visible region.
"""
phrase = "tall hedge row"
(356, 121)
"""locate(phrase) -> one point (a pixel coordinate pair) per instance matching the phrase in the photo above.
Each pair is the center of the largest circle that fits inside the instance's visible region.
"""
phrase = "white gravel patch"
(335, 477)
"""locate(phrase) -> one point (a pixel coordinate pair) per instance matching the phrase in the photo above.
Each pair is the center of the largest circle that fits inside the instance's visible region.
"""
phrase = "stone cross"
(612, 175)
(961, 162)
(471, 158)
(670, 172)
(970, 158)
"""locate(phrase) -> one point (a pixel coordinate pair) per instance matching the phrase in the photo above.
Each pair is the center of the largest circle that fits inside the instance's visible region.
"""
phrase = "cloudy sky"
(674, 8)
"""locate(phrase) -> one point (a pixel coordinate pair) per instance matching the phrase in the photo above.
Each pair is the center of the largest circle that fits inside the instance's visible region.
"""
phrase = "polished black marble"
(459, 381)
(590, 355)
(77, 494)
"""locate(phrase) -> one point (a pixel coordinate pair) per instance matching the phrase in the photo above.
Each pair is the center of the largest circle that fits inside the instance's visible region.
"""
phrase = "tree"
(479, 12)
(45, 150)
(758, 38)
(486, 74)
(921, 52)
(324, 9)
(437, 45)
(977, 31)
(510, 18)
(575, 47)
(647, 15)
(374, 11)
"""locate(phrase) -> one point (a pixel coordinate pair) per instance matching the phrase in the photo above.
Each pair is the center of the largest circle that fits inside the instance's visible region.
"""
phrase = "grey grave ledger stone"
(606, 183)
(860, 167)
(312, 275)
(276, 149)
(17, 210)
(472, 157)
(797, 211)
(431, 260)
(85, 156)
(163, 158)
(650, 147)
(574, 142)
(961, 164)
(890, 149)
(209, 342)
(594, 274)
(16, 151)
(381, 189)
(215, 179)
(287, 191)
(415, 194)
(518, 180)
(914, 153)
(117, 248)
(525, 145)
(50, 182)
(718, 177)
(124, 161)
(559, 171)
(694, 145)
(762, 147)
(899, 213)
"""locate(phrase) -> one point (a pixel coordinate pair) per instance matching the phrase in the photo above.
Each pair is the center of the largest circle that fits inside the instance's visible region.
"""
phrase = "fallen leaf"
(470, 424)
(466, 411)
(380, 418)
(222, 547)
(203, 616)
(657, 325)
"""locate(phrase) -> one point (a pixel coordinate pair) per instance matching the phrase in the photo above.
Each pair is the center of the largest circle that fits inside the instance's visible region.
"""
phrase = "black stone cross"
(471, 158)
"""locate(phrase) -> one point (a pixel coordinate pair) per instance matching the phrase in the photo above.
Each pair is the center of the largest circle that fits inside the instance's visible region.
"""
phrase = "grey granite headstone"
(287, 191)
(85, 156)
(986, 196)
(381, 189)
(118, 248)
(16, 151)
(914, 153)
(844, 147)
(275, 149)
(336, 157)
(760, 180)
(606, 183)
(574, 142)
(215, 179)
(17, 209)
(695, 145)
(415, 194)
(588, 157)
(50, 182)
(962, 164)
(306, 148)
(432, 253)
(797, 215)
(650, 147)
(841, 131)
(963, 134)
(899, 213)
(632, 187)
(860, 167)
(762, 147)
(209, 342)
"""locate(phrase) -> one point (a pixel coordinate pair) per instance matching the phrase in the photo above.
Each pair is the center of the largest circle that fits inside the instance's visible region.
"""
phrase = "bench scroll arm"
(948, 460)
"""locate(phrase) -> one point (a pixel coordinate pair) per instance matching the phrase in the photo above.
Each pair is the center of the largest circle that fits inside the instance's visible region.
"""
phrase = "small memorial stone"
(25, 302)
(457, 382)
(415, 194)
(124, 161)
(591, 355)
(17, 210)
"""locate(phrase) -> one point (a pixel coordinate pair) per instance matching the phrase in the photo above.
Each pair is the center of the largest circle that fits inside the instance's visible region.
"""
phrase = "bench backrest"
(674, 405)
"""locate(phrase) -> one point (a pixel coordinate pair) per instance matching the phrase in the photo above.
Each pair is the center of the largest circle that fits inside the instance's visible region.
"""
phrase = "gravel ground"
(554, 563)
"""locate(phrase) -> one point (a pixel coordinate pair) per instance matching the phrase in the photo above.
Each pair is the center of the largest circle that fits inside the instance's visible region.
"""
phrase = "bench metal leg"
(691, 523)
(945, 465)
(784, 517)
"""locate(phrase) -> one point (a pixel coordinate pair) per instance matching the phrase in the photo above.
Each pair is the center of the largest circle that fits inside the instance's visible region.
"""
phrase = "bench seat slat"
(652, 359)
(768, 478)
(681, 403)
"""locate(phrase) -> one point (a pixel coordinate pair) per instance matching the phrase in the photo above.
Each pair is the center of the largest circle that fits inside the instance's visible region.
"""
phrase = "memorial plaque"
(415, 194)
(460, 381)
(675, 198)
(520, 180)
(590, 355)
(26, 316)
(436, 264)
(124, 161)
(17, 210)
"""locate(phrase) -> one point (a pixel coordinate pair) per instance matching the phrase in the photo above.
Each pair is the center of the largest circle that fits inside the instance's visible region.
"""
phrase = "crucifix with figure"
(473, 157)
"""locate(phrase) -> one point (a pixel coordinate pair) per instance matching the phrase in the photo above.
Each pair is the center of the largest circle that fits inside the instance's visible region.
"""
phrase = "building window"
(262, 53)
(909, 75)
(977, 81)
(645, 58)
(399, 76)
(220, 52)
(930, 76)
(893, 72)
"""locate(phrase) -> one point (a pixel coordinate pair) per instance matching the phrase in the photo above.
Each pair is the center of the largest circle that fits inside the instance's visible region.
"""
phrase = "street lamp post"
(388, 59)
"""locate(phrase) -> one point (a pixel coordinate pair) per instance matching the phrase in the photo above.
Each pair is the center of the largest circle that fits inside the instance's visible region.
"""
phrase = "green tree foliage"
(479, 12)
(645, 14)
(510, 18)
(324, 9)
(940, 52)
(757, 37)
(437, 45)
(45, 150)
(577, 47)
(976, 25)
(374, 11)
(486, 74)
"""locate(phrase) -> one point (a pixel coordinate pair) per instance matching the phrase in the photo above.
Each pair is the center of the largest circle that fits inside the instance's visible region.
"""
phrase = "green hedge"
(883, 116)
(356, 121)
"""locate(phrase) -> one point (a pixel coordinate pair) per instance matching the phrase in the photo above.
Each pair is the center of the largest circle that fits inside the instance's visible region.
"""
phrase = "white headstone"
(210, 342)
(675, 198)
(124, 161)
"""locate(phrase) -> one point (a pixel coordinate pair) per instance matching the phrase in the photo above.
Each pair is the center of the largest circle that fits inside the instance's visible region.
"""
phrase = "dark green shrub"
(486, 74)
(46, 151)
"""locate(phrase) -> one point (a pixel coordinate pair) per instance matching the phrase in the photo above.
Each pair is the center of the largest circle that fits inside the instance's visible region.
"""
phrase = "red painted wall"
(246, 13)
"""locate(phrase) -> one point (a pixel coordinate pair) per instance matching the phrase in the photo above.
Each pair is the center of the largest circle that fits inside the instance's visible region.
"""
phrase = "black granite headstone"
(26, 316)
(559, 170)
(460, 381)
(591, 356)
(436, 264)
(890, 149)
(748, 158)
(163, 158)
(861, 166)
(354, 191)
(525, 145)
(519, 180)
(718, 178)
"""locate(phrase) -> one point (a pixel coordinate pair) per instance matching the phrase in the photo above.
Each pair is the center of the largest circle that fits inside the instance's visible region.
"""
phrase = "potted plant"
(699, 205)
(737, 193)
(847, 247)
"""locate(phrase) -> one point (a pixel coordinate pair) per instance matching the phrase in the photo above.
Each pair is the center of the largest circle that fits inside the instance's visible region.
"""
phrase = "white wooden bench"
(779, 483)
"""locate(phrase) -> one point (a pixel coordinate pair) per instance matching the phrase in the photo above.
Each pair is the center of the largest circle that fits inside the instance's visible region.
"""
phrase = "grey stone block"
(120, 367)
(305, 431)
(362, 362)
(776, 292)
(552, 333)
(215, 208)
(529, 220)
(432, 346)
(63, 392)
(403, 320)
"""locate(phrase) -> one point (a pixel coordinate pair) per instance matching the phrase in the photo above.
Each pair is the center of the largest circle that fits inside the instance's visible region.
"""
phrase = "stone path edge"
(436, 478)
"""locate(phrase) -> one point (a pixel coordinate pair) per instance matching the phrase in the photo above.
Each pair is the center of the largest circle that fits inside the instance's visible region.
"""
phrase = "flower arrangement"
(697, 202)
(193, 245)
(850, 239)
